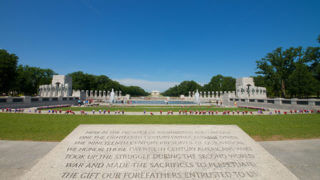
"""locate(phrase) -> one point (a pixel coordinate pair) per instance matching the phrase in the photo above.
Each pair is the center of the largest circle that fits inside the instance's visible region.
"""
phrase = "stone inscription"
(161, 152)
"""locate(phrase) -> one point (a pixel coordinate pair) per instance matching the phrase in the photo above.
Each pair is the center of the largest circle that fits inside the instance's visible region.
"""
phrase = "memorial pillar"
(87, 93)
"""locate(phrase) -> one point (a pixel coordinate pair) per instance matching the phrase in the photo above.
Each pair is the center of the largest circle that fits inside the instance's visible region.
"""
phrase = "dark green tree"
(84, 81)
(277, 66)
(312, 58)
(301, 82)
(135, 91)
(220, 83)
(182, 89)
(30, 78)
(8, 71)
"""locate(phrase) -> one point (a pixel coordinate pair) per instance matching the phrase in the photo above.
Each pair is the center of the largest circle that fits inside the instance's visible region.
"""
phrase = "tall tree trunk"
(283, 89)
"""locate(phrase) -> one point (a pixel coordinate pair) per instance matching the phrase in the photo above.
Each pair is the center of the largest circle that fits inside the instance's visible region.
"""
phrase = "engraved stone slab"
(158, 152)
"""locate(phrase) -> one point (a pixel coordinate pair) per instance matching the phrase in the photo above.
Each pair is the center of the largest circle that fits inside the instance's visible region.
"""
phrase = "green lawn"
(41, 127)
(155, 108)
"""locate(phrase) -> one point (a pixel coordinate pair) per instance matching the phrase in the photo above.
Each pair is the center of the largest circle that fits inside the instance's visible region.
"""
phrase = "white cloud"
(148, 85)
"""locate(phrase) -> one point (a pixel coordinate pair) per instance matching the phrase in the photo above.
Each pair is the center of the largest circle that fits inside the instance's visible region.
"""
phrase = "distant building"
(245, 88)
(61, 86)
(155, 93)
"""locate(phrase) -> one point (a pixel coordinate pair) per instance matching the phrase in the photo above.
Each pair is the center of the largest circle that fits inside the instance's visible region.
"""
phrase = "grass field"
(41, 127)
(155, 108)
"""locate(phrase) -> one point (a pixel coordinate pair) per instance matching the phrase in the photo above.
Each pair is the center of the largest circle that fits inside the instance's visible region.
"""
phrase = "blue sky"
(155, 42)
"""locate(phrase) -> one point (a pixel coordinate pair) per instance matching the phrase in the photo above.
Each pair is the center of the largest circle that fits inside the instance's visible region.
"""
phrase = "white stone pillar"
(45, 92)
(51, 89)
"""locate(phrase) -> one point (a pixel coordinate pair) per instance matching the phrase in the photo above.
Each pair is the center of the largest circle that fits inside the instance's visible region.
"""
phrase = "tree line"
(217, 83)
(25, 80)
(84, 81)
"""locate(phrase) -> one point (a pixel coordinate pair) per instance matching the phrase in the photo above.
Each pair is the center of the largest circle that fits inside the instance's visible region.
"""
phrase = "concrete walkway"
(302, 157)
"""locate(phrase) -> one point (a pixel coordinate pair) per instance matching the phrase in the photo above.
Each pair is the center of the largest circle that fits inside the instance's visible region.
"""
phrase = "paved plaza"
(301, 157)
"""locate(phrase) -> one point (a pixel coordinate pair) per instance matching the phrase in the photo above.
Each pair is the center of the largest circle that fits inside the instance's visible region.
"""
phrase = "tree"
(220, 83)
(8, 71)
(301, 81)
(312, 58)
(84, 81)
(30, 78)
(135, 91)
(277, 66)
(182, 89)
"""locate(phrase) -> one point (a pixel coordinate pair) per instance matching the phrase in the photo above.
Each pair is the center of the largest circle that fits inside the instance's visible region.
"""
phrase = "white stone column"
(45, 92)
(67, 89)
(59, 90)
(51, 89)
(62, 91)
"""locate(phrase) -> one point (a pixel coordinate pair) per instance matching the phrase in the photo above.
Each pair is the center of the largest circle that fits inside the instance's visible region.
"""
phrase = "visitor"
(160, 112)
(122, 112)
(93, 111)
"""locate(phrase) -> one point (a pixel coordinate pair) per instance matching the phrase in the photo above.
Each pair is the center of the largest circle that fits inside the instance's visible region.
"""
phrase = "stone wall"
(274, 103)
(28, 101)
